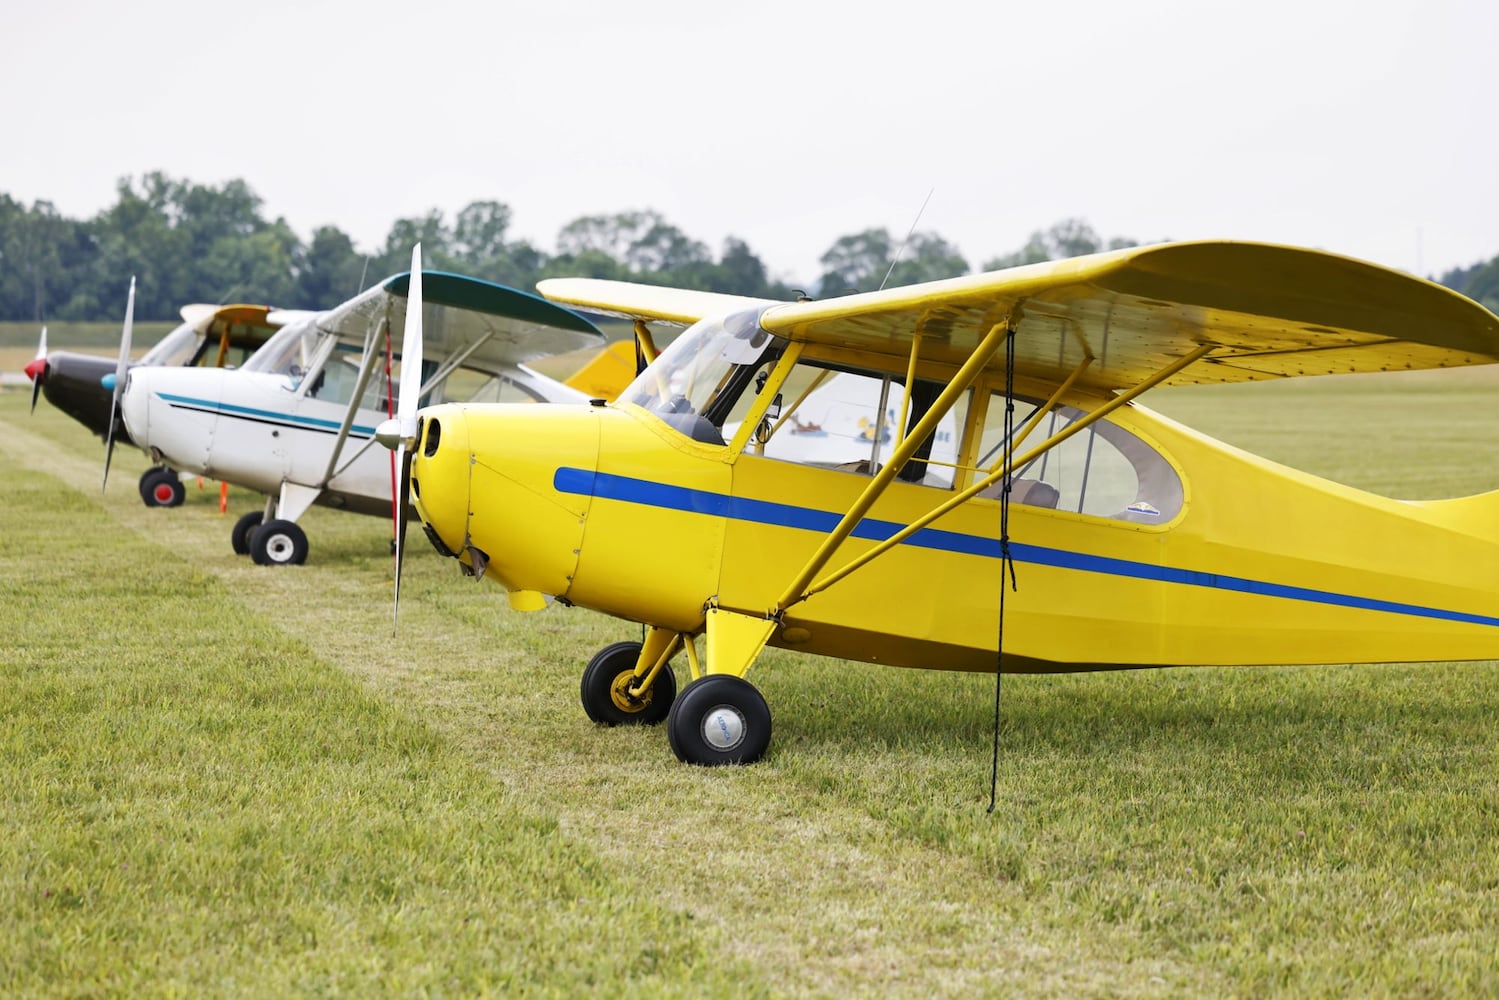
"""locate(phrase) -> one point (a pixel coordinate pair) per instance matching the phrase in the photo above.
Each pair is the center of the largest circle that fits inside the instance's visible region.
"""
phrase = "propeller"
(401, 433)
(117, 382)
(37, 369)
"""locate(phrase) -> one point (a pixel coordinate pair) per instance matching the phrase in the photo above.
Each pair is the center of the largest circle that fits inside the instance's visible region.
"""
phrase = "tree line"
(188, 242)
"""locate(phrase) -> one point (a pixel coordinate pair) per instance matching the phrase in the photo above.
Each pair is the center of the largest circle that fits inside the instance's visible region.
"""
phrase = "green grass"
(81, 336)
(224, 779)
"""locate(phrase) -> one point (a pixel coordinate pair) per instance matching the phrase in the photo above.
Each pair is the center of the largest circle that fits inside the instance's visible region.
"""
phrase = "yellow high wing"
(1266, 311)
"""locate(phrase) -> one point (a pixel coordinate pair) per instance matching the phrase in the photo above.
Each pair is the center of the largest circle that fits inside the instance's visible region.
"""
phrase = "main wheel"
(278, 543)
(162, 487)
(239, 535)
(720, 719)
(606, 689)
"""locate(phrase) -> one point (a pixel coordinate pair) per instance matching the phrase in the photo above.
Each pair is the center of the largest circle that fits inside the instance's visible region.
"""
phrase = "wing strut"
(1005, 466)
(361, 383)
(972, 368)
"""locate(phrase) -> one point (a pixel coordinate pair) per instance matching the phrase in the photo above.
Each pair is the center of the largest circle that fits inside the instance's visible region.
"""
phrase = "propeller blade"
(119, 382)
(38, 368)
(403, 458)
(407, 399)
(411, 352)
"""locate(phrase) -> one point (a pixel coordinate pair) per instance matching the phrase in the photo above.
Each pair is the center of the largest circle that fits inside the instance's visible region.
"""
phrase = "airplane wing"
(1267, 311)
(652, 303)
(514, 326)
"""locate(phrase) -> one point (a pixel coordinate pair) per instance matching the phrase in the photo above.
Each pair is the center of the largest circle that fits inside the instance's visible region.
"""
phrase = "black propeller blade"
(38, 371)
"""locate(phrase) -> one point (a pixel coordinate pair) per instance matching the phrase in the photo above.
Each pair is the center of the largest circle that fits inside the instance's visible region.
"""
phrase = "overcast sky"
(1365, 128)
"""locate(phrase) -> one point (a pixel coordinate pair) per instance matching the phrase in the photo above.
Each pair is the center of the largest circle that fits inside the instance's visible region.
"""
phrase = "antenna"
(902, 248)
(363, 274)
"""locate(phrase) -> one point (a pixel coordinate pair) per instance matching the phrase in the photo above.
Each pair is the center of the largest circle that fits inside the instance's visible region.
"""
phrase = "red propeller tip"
(36, 369)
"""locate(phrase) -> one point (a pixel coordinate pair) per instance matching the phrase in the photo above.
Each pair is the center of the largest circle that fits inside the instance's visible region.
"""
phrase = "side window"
(849, 421)
(1102, 470)
(339, 376)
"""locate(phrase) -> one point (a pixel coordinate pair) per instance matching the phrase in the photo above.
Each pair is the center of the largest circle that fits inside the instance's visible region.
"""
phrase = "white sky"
(1365, 128)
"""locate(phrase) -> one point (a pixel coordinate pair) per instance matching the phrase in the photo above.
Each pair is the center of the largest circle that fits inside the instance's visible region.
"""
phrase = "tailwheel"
(162, 487)
(720, 719)
(278, 543)
(606, 689)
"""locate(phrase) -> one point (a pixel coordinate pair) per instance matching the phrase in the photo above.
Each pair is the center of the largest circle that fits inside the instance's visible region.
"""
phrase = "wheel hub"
(619, 693)
(163, 493)
(723, 727)
(279, 548)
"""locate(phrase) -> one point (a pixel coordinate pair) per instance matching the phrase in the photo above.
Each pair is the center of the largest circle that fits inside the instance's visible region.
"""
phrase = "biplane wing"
(510, 327)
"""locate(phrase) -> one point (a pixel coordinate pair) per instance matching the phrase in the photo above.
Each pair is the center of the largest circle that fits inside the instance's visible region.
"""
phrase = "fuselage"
(253, 430)
(1247, 562)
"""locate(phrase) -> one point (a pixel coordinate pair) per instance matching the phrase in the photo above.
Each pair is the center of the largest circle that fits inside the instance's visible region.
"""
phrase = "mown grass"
(308, 804)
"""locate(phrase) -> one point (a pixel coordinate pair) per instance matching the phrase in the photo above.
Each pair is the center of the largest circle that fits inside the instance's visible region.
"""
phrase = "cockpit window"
(175, 348)
(1102, 470)
(290, 352)
(696, 382)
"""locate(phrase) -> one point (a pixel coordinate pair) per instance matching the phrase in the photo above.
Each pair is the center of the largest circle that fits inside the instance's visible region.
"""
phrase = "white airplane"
(296, 422)
(80, 384)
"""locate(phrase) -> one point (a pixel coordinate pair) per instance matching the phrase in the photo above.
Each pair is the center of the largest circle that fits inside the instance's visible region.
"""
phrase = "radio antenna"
(902, 248)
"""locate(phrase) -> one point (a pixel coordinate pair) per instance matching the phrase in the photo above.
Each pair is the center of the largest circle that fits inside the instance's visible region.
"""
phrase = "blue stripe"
(641, 491)
(269, 416)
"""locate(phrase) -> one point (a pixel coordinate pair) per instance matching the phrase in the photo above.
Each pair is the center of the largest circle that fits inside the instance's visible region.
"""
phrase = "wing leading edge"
(1267, 311)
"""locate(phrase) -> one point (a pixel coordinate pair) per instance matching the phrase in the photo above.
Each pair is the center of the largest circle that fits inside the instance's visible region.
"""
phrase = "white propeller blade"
(119, 382)
(408, 391)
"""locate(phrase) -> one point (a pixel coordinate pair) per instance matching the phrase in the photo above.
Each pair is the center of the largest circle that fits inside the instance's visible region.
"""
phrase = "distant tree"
(863, 262)
(331, 270)
(926, 257)
(740, 272)
(855, 262)
(1067, 238)
(1482, 285)
(38, 250)
(431, 231)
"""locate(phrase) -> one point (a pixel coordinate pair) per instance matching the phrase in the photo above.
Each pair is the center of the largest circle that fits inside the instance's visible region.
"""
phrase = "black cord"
(1007, 564)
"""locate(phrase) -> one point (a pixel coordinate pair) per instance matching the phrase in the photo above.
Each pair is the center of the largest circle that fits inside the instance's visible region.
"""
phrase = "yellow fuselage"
(609, 508)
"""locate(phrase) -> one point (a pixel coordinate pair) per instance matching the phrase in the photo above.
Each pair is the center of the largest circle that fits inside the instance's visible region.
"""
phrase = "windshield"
(290, 351)
(695, 382)
(176, 348)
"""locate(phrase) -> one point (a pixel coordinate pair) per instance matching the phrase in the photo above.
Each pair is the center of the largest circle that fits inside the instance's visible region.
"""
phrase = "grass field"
(229, 780)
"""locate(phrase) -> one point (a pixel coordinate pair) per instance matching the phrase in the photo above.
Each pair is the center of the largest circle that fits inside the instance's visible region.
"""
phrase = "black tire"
(162, 487)
(278, 543)
(603, 689)
(719, 719)
(145, 478)
(239, 535)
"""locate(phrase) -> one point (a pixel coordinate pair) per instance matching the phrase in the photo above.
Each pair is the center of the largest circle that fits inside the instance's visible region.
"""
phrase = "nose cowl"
(486, 480)
(440, 480)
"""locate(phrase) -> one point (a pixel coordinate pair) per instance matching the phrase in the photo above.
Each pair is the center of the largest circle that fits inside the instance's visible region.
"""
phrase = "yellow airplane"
(1070, 529)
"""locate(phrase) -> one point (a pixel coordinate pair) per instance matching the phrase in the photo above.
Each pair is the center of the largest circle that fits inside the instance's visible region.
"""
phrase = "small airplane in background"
(296, 421)
(216, 336)
(1073, 529)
